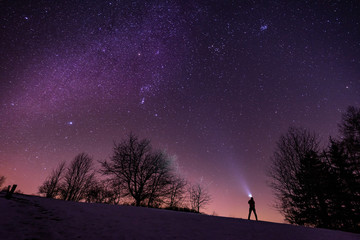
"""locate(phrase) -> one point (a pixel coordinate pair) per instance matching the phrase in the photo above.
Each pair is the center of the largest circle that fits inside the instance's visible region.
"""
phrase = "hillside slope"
(30, 217)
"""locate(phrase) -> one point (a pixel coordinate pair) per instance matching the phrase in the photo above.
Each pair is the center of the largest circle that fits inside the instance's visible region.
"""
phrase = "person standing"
(252, 208)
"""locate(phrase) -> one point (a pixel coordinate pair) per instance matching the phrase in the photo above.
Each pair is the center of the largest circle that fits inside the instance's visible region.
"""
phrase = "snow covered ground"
(31, 217)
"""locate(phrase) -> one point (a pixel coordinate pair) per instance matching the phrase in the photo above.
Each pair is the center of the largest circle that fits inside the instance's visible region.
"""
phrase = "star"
(263, 27)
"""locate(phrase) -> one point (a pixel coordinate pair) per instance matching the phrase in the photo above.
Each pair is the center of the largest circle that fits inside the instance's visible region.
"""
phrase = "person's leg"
(255, 214)
(249, 213)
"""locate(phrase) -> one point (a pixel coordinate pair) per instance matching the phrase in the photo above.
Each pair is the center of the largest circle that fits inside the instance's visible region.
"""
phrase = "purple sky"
(214, 83)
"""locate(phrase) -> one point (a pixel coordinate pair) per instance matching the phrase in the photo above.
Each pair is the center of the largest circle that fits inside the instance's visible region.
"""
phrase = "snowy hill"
(31, 217)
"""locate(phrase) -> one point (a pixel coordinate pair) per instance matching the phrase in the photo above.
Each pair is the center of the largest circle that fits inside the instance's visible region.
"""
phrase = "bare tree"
(292, 150)
(103, 192)
(158, 187)
(142, 173)
(79, 176)
(50, 188)
(177, 192)
(199, 197)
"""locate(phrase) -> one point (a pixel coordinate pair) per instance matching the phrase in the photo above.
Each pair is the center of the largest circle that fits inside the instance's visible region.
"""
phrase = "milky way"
(214, 83)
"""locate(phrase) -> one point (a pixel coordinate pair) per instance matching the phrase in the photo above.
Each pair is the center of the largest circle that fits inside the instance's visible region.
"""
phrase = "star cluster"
(213, 82)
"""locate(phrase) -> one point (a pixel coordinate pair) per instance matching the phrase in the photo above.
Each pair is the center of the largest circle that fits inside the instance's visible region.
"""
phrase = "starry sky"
(215, 83)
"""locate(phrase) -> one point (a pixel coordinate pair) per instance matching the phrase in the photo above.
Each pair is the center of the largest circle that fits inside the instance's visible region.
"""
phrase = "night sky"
(215, 83)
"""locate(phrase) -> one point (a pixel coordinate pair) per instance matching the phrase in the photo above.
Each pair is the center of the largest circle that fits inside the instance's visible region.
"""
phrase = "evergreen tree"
(311, 194)
(341, 205)
(344, 158)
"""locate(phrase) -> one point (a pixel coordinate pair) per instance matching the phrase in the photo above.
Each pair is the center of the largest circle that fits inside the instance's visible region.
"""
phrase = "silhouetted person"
(252, 207)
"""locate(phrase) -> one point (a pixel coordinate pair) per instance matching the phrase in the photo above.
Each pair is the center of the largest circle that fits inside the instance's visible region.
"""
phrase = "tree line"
(319, 186)
(136, 174)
